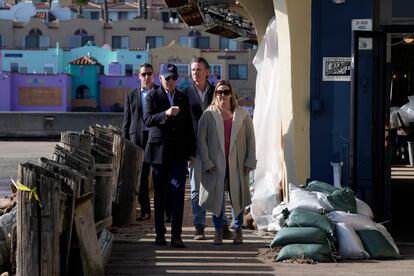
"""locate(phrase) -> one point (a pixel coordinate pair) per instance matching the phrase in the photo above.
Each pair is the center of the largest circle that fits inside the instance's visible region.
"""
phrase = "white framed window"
(215, 70)
(120, 42)
(48, 69)
(23, 68)
(230, 44)
(155, 41)
(1, 40)
(238, 71)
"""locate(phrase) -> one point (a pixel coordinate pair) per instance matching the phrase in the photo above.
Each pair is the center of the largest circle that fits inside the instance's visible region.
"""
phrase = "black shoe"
(199, 234)
(168, 219)
(144, 217)
(160, 240)
(177, 243)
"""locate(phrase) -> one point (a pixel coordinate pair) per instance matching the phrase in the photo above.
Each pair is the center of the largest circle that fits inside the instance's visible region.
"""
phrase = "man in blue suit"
(170, 149)
(134, 130)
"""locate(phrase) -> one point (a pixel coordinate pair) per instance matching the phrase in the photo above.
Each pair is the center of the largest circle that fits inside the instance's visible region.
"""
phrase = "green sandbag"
(319, 186)
(305, 218)
(377, 245)
(343, 200)
(316, 252)
(288, 235)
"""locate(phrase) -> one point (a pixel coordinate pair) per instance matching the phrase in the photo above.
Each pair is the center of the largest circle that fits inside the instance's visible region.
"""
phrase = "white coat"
(242, 153)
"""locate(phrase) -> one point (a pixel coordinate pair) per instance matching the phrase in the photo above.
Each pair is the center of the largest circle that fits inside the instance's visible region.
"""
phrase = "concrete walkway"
(135, 254)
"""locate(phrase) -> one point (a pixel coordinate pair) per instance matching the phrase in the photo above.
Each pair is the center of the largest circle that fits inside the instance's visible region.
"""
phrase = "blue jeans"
(199, 214)
(237, 219)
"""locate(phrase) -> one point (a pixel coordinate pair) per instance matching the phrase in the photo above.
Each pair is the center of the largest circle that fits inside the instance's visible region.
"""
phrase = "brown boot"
(199, 234)
(218, 237)
(227, 235)
(238, 237)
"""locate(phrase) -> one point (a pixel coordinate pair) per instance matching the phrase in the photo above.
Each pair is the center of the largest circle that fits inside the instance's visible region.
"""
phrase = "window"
(95, 15)
(229, 44)
(202, 42)
(23, 68)
(165, 16)
(238, 71)
(80, 38)
(120, 42)
(129, 69)
(215, 70)
(14, 67)
(35, 39)
(155, 41)
(247, 45)
(48, 69)
(122, 15)
(183, 69)
(1, 40)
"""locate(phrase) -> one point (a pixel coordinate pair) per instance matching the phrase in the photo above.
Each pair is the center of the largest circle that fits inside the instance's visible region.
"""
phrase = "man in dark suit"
(200, 93)
(134, 130)
(170, 149)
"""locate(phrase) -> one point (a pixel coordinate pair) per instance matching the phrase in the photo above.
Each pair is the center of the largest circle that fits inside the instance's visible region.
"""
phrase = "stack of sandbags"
(358, 236)
(306, 235)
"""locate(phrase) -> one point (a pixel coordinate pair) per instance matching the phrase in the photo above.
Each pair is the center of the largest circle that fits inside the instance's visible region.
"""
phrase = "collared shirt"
(170, 97)
(143, 94)
(202, 94)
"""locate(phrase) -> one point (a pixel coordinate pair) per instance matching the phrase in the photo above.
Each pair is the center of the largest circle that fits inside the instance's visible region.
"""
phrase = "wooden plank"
(76, 140)
(88, 242)
(27, 253)
(103, 224)
(49, 193)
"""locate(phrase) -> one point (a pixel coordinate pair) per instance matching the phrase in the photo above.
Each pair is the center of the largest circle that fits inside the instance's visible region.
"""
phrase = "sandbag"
(377, 245)
(363, 208)
(343, 200)
(388, 236)
(349, 243)
(288, 235)
(313, 201)
(316, 252)
(306, 218)
(319, 186)
(356, 221)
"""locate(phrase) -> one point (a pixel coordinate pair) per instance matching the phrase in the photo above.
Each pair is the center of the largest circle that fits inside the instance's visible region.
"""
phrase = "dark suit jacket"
(170, 139)
(133, 125)
(196, 106)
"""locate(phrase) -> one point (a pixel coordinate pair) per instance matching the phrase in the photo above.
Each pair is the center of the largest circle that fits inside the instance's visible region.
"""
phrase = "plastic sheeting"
(268, 126)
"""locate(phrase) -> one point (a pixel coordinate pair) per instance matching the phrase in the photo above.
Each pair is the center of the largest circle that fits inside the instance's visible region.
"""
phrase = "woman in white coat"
(226, 146)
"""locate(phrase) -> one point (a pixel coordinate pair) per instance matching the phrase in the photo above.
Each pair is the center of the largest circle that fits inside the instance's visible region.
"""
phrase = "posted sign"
(336, 69)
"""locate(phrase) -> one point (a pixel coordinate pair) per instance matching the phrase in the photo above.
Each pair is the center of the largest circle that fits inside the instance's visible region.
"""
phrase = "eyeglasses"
(171, 78)
(149, 74)
(226, 92)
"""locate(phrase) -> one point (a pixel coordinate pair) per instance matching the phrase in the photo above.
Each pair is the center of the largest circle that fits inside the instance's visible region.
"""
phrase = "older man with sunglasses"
(134, 130)
(171, 145)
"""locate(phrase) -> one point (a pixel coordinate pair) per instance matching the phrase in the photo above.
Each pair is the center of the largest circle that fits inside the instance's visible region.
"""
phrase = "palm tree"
(79, 4)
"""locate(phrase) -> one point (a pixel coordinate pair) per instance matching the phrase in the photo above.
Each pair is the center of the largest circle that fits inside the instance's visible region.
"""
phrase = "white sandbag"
(356, 221)
(363, 208)
(276, 224)
(279, 208)
(349, 243)
(312, 201)
(388, 236)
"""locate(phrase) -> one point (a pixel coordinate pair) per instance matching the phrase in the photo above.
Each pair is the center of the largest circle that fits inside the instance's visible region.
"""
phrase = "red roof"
(85, 60)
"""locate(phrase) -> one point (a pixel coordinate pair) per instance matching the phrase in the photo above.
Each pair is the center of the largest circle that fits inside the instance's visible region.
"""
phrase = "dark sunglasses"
(149, 74)
(223, 92)
(171, 78)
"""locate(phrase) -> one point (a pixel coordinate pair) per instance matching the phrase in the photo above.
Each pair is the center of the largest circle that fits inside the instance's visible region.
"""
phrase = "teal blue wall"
(87, 75)
(59, 58)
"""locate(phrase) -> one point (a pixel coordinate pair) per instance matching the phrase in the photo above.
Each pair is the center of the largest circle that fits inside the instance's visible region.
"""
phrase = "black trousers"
(170, 177)
(143, 194)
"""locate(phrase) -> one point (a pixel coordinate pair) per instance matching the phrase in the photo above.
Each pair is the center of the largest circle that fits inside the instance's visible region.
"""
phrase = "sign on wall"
(336, 69)
(40, 96)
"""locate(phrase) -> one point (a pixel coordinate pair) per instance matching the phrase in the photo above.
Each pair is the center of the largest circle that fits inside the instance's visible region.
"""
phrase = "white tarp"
(267, 126)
